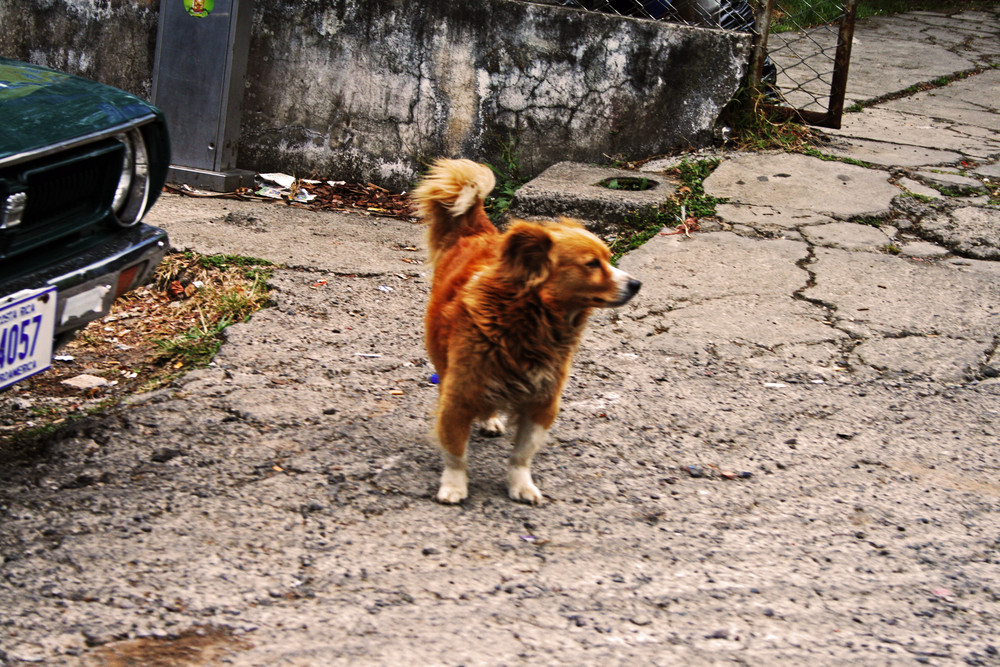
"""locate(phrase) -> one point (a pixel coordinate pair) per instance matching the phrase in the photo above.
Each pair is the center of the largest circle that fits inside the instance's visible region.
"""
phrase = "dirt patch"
(152, 335)
(196, 646)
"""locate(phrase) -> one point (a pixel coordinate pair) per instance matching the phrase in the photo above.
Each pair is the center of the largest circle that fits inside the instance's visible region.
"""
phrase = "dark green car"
(80, 164)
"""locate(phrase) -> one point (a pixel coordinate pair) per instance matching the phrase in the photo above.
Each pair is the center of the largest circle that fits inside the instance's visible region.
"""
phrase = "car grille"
(68, 196)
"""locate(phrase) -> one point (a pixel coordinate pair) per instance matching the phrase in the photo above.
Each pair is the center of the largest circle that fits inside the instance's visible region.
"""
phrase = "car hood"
(40, 107)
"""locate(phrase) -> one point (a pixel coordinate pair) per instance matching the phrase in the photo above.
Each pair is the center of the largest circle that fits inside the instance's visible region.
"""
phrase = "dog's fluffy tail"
(449, 199)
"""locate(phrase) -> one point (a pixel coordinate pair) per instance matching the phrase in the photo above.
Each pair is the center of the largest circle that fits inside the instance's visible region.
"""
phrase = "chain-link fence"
(802, 51)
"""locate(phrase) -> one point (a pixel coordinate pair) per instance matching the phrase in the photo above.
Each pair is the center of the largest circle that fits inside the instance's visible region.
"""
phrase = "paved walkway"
(874, 256)
(784, 451)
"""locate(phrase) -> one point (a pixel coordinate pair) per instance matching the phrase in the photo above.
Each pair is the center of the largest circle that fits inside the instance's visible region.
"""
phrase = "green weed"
(196, 346)
(254, 267)
(640, 226)
(756, 126)
(221, 301)
(509, 180)
(871, 221)
(926, 199)
(690, 201)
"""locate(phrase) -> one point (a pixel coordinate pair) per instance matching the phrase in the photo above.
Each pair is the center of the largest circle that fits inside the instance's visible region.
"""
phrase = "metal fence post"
(760, 44)
(841, 64)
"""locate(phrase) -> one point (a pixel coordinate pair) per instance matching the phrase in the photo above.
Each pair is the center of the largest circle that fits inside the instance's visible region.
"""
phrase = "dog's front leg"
(532, 430)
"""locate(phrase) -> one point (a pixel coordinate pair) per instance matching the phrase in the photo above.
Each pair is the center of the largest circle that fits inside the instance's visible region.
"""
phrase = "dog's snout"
(626, 289)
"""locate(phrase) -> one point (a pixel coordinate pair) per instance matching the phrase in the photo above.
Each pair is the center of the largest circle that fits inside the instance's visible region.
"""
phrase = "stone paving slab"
(791, 181)
(847, 236)
(887, 296)
(573, 189)
(970, 231)
(894, 127)
(887, 153)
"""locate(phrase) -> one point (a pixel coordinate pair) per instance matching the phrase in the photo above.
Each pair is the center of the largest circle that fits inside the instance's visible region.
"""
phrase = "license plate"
(27, 325)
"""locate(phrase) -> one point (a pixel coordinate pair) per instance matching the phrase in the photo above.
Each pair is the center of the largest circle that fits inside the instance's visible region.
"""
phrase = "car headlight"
(132, 193)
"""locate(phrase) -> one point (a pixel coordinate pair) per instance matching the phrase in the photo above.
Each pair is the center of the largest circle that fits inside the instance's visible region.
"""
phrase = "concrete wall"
(370, 89)
(112, 41)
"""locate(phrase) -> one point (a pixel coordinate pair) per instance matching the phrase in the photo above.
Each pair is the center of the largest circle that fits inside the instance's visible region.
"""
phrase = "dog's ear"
(525, 253)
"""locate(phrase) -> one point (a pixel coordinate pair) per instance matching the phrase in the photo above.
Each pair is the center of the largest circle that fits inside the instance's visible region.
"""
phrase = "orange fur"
(504, 317)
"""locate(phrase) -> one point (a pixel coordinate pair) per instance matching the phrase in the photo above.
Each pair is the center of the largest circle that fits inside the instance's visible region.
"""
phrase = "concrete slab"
(882, 57)
(888, 154)
(941, 104)
(989, 170)
(292, 237)
(794, 182)
(847, 236)
(907, 129)
(941, 359)
(921, 250)
(698, 294)
(573, 189)
(882, 295)
(951, 180)
(741, 327)
(970, 231)
(966, 265)
(682, 270)
(977, 90)
(918, 188)
(768, 218)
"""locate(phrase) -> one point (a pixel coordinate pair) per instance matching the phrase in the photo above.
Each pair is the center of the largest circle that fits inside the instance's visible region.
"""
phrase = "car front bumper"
(88, 283)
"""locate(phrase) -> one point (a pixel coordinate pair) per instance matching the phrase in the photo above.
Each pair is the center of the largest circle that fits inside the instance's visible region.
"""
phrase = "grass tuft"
(509, 180)
(690, 201)
(230, 289)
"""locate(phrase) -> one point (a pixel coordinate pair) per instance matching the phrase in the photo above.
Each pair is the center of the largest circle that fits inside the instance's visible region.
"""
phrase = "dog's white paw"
(492, 427)
(520, 487)
(454, 487)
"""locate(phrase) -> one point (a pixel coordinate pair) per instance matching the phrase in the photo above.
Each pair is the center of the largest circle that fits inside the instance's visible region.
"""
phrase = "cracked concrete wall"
(367, 90)
(371, 88)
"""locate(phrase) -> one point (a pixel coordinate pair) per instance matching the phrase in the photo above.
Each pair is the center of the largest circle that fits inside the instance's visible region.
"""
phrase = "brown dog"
(505, 315)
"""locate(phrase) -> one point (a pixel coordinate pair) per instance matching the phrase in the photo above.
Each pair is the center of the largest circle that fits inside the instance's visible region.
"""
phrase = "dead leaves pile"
(368, 198)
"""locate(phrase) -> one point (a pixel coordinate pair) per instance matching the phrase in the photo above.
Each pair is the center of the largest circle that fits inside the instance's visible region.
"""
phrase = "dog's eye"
(594, 264)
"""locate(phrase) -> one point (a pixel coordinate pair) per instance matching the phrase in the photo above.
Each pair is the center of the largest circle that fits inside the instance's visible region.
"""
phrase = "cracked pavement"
(783, 451)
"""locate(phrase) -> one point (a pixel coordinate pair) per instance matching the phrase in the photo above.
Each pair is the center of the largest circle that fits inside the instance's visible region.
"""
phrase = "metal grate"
(67, 195)
(803, 51)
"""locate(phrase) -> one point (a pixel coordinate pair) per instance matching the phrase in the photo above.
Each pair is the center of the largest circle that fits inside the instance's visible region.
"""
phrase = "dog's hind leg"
(453, 429)
(532, 429)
